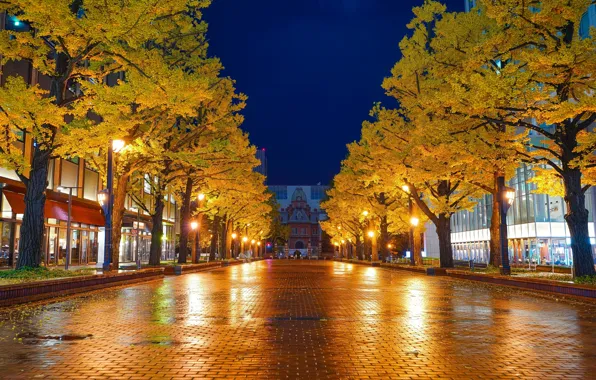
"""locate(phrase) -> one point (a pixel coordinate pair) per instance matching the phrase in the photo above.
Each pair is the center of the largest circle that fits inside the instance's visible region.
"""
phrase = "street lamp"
(506, 198)
(68, 223)
(414, 221)
(375, 254)
(115, 146)
(194, 225)
(234, 236)
(243, 247)
(201, 198)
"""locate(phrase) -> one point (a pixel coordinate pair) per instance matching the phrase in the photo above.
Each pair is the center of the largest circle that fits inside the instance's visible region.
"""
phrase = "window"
(588, 20)
(281, 192)
(317, 192)
(147, 184)
(15, 24)
(70, 175)
(90, 185)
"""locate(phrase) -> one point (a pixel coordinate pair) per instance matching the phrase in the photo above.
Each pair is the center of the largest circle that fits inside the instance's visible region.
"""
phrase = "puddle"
(32, 338)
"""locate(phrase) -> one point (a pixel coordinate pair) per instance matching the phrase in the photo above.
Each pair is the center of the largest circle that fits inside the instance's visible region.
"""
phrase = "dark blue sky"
(312, 70)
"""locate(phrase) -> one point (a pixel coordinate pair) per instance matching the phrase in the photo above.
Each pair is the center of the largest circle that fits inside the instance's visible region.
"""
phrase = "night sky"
(312, 70)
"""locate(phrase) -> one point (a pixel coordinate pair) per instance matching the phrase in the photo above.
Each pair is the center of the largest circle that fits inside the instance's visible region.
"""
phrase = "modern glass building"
(536, 227)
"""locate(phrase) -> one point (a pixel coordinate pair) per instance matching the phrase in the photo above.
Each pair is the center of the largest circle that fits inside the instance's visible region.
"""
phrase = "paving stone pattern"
(309, 320)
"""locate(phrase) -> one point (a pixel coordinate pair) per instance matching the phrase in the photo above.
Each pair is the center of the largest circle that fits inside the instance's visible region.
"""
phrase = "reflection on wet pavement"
(285, 319)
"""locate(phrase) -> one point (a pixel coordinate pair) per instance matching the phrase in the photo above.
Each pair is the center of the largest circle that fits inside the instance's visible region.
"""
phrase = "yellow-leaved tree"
(69, 45)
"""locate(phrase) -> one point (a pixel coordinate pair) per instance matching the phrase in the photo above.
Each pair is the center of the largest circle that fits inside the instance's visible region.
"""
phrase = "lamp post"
(414, 221)
(506, 198)
(201, 198)
(406, 190)
(373, 237)
(68, 223)
(194, 225)
(242, 246)
(234, 236)
(365, 214)
(106, 198)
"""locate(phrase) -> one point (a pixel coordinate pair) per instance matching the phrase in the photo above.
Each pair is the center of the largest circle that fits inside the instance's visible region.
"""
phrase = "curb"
(15, 294)
(586, 293)
(543, 286)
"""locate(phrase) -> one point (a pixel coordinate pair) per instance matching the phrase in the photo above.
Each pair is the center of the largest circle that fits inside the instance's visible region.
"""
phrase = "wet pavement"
(310, 320)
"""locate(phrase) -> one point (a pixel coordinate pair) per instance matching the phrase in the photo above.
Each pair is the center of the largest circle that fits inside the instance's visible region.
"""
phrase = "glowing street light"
(201, 197)
(245, 239)
(107, 202)
(506, 198)
(371, 234)
(234, 235)
(118, 145)
(414, 221)
(194, 225)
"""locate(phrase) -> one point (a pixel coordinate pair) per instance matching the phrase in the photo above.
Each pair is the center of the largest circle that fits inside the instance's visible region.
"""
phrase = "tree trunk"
(577, 221)
(417, 246)
(33, 225)
(117, 217)
(157, 229)
(495, 221)
(215, 238)
(32, 228)
(185, 222)
(445, 249)
(495, 241)
(384, 238)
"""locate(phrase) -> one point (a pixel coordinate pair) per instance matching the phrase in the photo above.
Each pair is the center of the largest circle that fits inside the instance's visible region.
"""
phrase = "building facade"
(87, 220)
(262, 157)
(300, 210)
(536, 228)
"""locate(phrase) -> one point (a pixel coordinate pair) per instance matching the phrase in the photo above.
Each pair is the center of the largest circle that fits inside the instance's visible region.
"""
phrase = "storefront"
(86, 218)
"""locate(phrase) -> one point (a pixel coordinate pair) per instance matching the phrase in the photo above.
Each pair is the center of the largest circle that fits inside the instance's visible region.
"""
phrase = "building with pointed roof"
(302, 213)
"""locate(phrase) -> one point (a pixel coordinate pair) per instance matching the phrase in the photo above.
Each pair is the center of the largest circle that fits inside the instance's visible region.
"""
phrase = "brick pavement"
(311, 320)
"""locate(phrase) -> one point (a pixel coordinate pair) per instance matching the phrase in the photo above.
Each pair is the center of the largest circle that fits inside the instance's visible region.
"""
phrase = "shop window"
(70, 175)
(556, 209)
(51, 173)
(90, 185)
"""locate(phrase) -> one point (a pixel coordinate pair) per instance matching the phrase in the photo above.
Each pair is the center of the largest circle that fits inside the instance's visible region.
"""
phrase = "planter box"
(172, 270)
(404, 267)
(39, 290)
(547, 268)
(549, 286)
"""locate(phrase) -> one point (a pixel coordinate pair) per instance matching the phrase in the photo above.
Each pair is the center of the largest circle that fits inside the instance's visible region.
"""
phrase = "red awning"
(16, 201)
(58, 210)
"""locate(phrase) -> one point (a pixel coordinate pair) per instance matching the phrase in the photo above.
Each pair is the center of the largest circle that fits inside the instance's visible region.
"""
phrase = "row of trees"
(478, 94)
(137, 71)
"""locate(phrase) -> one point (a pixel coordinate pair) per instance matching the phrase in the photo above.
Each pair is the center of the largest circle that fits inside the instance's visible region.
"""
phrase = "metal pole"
(107, 255)
(375, 253)
(67, 259)
(198, 245)
(411, 234)
(138, 239)
(505, 267)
